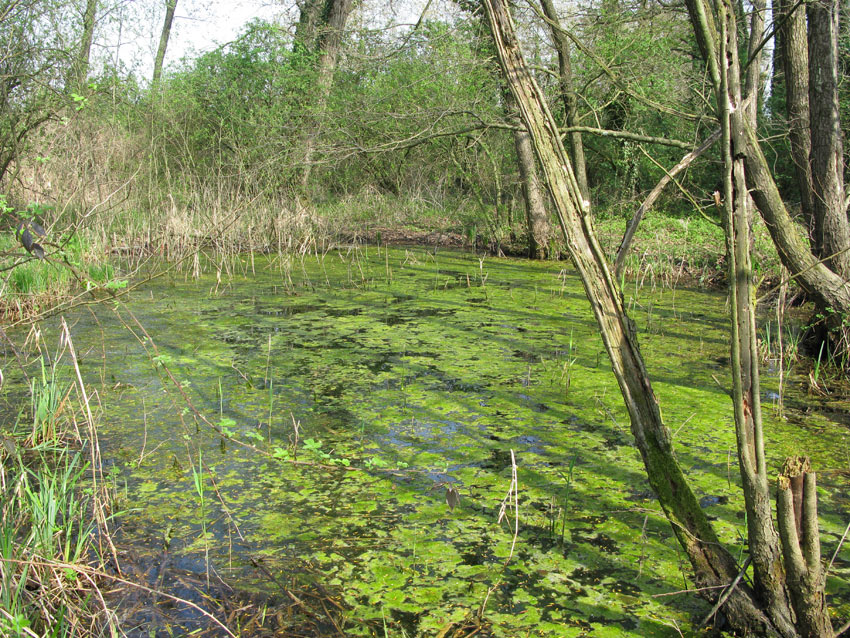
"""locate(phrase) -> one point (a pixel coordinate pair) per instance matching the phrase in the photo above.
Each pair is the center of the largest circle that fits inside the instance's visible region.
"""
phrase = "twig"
(727, 593)
(837, 549)
(513, 491)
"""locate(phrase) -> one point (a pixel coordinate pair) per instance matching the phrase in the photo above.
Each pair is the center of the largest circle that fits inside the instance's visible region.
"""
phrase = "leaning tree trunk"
(170, 7)
(713, 565)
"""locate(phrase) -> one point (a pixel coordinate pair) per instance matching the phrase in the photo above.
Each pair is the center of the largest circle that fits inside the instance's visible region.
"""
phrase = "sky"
(129, 34)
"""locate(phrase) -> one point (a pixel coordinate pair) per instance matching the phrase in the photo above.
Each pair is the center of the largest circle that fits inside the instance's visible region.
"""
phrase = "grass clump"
(48, 553)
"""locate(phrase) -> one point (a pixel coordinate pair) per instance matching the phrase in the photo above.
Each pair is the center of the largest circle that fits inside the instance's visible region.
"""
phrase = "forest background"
(413, 133)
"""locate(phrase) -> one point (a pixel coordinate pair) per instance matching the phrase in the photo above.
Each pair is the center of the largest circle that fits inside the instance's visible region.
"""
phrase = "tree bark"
(537, 218)
(81, 65)
(170, 7)
(792, 48)
(832, 230)
(713, 565)
(328, 37)
(568, 95)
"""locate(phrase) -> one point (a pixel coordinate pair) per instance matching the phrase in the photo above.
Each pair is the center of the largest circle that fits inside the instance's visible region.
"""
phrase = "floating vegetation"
(333, 457)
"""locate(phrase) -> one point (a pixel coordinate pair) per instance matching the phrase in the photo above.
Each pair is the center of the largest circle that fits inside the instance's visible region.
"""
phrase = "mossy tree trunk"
(713, 565)
(765, 610)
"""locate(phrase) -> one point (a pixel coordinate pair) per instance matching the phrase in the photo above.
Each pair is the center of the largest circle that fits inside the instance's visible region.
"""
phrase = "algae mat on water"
(378, 383)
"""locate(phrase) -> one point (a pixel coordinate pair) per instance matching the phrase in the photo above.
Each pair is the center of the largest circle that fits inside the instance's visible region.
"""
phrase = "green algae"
(410, 371)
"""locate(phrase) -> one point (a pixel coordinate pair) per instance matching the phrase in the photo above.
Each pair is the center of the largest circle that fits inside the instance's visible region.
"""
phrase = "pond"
(327, 445)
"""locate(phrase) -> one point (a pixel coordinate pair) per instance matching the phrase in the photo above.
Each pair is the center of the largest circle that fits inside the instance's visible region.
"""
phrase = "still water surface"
(369, 385)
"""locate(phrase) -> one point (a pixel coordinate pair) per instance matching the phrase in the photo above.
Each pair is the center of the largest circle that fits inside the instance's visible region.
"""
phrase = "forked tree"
(780, 602)
(319, 34)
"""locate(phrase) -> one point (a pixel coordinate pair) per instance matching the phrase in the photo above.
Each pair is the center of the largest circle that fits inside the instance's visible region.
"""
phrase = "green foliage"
(238, 106)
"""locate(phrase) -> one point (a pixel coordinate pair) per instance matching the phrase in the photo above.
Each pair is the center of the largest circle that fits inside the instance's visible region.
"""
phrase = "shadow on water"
(402, 387)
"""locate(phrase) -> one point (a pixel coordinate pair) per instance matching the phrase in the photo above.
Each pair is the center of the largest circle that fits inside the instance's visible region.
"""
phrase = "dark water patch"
(601, 541)
(498, 461)
(709, 500)
(270, 310)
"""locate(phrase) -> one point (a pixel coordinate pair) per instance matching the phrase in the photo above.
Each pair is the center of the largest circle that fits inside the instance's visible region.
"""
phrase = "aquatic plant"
(200, 489)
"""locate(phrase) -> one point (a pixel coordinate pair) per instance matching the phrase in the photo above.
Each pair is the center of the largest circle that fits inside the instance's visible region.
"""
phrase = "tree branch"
(653, 196)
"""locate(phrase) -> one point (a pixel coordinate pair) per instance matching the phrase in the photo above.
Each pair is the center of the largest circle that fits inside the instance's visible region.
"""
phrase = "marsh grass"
(52, 527)
(29, 285)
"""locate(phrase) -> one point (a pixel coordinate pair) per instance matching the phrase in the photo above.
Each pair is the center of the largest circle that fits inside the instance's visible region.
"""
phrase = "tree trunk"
(568, 95)
(762, 537)
(535, 204)
(713, 565)
(537, 218)
(328, 37)
(81, 65)
(792, 48)
(718, 41)
(832, 231)
(752, 81)
(170, 6)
